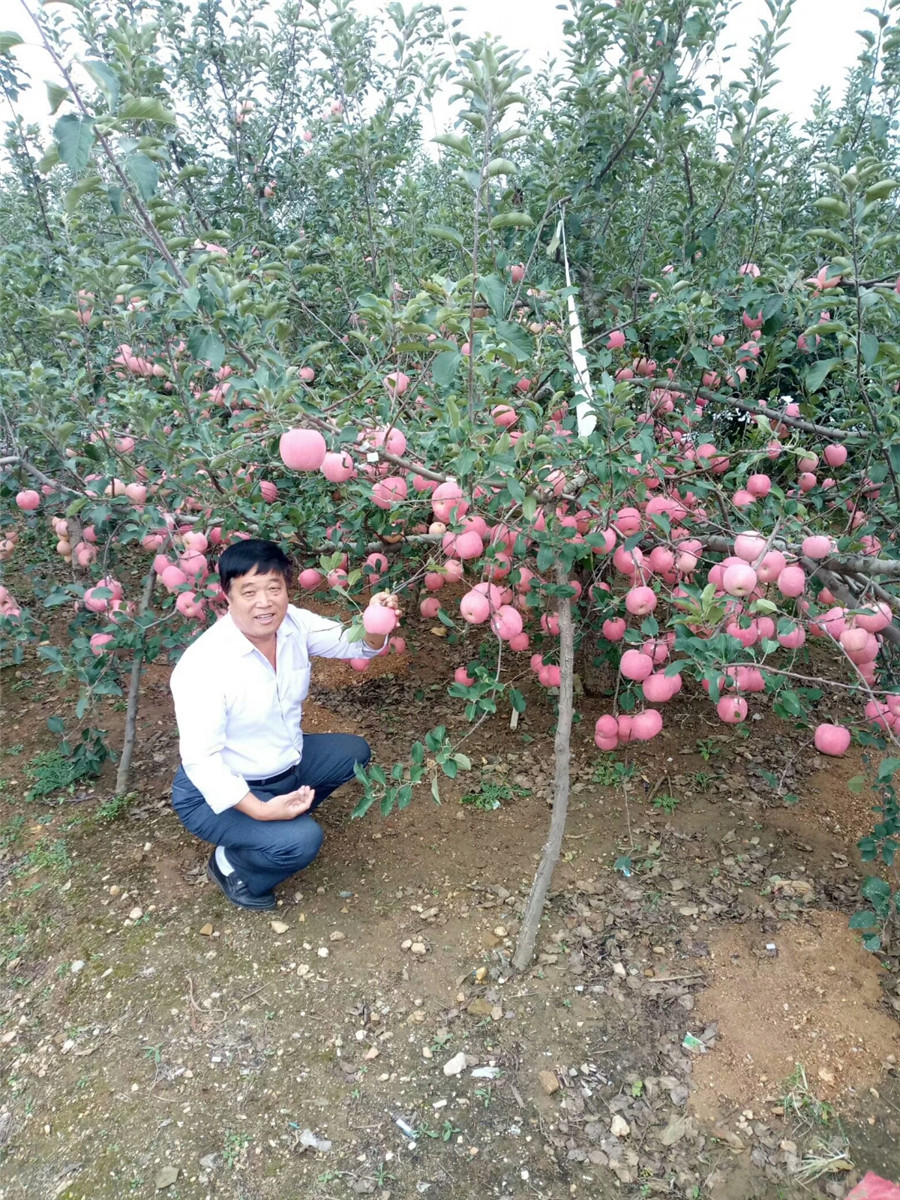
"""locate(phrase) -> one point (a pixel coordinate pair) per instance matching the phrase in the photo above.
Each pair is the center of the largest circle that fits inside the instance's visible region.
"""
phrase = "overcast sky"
(822, 42)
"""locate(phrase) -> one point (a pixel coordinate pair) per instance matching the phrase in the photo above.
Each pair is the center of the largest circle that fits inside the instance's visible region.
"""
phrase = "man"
(249, 778)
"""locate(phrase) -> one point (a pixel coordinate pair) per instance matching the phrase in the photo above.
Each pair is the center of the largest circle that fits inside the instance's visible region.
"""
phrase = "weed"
(11, 832)
(707, 747)
(491, 795)
(611, 774)
(46, 855)
(665, 803)
(448, 1129)
(382, 1175)
(50, 772)
(799, 1101)
(702, 779)
(485, 1095)
(235, 1144)
(115, 806)
(814, 1166)
(17, 749)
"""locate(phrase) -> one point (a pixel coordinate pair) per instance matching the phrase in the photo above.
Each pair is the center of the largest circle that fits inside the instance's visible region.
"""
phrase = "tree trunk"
(534, 907)
(134, 694)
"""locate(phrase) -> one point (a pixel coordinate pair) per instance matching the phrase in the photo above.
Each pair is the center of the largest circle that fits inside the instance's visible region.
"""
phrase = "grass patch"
(46, 856)
(611, 774)
(492, 795)
(115, 807)
(666, 803)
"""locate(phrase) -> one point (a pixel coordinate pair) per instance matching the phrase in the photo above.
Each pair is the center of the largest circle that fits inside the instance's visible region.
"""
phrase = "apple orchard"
(243, 296)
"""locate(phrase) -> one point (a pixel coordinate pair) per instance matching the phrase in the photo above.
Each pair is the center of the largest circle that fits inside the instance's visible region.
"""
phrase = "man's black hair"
(253, 554)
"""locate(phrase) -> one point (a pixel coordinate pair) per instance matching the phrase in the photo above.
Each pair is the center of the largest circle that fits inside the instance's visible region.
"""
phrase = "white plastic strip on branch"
(584, 408)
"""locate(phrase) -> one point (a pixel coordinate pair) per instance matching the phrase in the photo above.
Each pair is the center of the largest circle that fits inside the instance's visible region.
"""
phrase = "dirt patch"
(815, 1000)
(134, 1002)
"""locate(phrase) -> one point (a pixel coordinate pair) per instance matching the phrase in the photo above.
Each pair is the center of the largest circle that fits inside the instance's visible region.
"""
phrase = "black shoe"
(235, 889)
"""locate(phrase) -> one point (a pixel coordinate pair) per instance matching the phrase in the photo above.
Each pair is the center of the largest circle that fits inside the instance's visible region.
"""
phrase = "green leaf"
(790, 703)
(454, 141)
(862, 920)
(445, 619)
(868, 344)
(55, 94)
(144, 172)
(207, 346)
(857, 785)
(529, 506)
(512, 220)
(435, 791)
(500, 166)
(517, 700)
(876, 890)
(74, 137)
(106, 80)
(115, 195)
(447, 234)
(493, 289)
(888, 767)
(93, 183)
(146, 108)
(878, 191)
(55, 724)
(463, 761)
(516, 338)
(8, 39)
(50, 160)
(444, 368)
(831, 204)
(365, 803)
(818, 372)
(450, 768)
(700, 355)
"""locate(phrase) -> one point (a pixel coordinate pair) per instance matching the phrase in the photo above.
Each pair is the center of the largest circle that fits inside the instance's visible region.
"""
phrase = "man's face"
(258, 604)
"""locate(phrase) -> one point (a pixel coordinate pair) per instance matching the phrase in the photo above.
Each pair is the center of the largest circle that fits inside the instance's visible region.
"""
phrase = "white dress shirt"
(239, 719)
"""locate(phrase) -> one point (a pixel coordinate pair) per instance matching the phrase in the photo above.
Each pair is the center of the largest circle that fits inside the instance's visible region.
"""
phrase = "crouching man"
(249, 777)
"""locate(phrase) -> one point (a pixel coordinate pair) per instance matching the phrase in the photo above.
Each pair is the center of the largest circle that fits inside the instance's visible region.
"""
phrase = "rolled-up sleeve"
(327, 639)
(201, 716)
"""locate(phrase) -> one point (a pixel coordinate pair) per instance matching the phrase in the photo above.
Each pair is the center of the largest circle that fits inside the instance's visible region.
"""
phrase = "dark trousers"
(263, 853)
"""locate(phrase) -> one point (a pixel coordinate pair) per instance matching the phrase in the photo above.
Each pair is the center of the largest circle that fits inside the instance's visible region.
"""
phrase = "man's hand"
(389, 600)
(289, 805)
(383, 600)
(279, 808)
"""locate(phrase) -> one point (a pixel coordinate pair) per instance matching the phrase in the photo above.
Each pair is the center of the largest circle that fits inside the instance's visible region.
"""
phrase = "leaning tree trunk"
(534, 907)
(134, 693)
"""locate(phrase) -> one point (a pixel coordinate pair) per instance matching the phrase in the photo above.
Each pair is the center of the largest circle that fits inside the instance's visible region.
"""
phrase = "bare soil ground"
(156, 1041)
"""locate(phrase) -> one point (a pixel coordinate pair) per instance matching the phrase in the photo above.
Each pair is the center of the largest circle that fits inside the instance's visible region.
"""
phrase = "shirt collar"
(243, 645)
